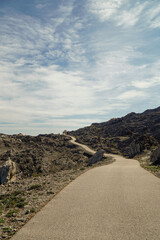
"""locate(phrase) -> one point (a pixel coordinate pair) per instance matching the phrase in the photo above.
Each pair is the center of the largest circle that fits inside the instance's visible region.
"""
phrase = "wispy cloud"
(126, 13)
(152, 15)
(104, 9)
(69, 64)
(155, 23)
(130, 17)
(132, 94)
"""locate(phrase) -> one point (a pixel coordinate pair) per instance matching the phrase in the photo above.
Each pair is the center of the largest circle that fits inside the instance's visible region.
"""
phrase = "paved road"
(120, 201)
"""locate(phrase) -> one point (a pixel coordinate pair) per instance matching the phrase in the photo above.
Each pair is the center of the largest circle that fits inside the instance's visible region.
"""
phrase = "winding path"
(120, 201)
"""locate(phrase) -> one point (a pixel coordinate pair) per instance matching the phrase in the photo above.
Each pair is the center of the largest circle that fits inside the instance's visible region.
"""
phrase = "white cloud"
(155, 23)
(113, 69)
(132, 94)
(142, 84)
(65, 66)
(104, 9)
(37, 41)
(118, 11)
(153, 11)
(47, 91)
(41, 6)
(152, 16)
(131, 16)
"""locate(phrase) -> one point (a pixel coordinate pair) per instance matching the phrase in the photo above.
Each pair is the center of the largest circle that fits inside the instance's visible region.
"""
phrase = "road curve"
(73, 140)
(120, 201)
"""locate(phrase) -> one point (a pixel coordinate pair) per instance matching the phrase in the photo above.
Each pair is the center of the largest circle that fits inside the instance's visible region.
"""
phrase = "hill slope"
(128, 135)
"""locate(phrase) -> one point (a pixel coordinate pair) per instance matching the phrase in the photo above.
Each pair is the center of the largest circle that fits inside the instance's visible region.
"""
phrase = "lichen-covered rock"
(7, 171)
(155, 156)
(96, 157)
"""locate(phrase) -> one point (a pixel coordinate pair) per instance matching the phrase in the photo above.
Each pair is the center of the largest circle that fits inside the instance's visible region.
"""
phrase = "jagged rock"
(65, 132)
(155, 156)
(20, 134)
(134, 149)
(116, 135)
(7, 171)
(96, 157)
(139, 144)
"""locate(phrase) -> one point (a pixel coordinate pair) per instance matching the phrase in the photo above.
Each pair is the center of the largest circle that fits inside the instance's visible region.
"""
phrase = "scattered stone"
(20, 219)
(4, 236)
(96, 157)
(27, 212)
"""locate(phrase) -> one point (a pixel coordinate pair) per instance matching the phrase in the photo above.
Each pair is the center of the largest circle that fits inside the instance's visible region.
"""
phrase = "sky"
(68, 64)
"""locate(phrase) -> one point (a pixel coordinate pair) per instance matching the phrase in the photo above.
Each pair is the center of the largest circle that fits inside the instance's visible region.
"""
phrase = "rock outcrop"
(7, 171)
(96, 157)
(155, 156)
(138, 145)
(41, 155)
(134, 149)
(129, 135)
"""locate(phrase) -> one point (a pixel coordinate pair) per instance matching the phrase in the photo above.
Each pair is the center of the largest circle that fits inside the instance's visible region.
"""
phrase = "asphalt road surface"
(120, 201)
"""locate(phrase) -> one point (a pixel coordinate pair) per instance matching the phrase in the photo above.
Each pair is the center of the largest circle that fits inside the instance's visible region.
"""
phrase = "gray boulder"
(155, 156)
(7, 171)
(134, 149)
(96, 157)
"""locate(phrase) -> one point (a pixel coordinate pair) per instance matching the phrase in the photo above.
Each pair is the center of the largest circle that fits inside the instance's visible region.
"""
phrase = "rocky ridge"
(130, 135)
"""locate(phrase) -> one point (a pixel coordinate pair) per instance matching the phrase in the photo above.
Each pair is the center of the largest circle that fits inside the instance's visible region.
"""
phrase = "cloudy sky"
(67, 64)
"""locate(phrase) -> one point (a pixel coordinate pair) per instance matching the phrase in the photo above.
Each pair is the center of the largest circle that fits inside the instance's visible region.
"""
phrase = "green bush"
(1, 220)
(32, 210)
(35, 187)
(21, 204)
(12, 200)
(11, 213)
(8, 230)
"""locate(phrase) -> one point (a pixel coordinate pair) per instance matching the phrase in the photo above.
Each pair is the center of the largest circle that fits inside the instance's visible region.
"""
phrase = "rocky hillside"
(129, 135)
(40, 155)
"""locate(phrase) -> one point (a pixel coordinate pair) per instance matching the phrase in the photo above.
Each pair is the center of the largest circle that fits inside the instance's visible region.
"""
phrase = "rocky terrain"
(134, 135)
(32, 171)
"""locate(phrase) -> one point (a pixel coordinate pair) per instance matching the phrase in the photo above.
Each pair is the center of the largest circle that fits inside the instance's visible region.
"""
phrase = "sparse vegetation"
(1, 220)
(8, 230)
(11, 213)
(32, 210)
(35, 187)
(12, 200)
(152, 168)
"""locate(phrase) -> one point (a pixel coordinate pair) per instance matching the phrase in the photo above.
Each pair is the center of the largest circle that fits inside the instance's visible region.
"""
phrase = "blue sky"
(67, 64)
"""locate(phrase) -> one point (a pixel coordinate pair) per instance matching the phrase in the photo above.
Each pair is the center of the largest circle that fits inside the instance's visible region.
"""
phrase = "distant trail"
(120, 201)
(88, 149)
(73, 140)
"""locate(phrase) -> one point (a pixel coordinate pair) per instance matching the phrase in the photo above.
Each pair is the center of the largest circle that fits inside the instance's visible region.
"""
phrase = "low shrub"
(35, 187)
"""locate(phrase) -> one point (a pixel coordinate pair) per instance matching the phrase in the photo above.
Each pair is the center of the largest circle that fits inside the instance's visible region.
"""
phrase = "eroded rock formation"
(7, 171)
